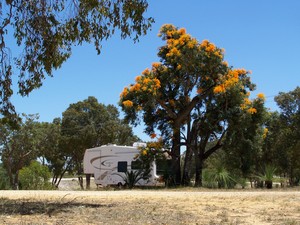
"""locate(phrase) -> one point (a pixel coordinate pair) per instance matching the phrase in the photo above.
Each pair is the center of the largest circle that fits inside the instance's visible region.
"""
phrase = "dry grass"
(184, 206)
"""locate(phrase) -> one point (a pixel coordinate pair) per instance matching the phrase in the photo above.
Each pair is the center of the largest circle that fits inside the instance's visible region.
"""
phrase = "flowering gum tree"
(166, 95)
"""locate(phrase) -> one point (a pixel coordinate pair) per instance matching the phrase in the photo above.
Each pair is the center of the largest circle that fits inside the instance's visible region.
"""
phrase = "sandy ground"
(184, 206)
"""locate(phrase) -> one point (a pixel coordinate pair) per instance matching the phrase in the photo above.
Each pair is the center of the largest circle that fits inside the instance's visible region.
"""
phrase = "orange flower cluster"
(252, 110)
(173, 52)
(210, 48)
(155, 65)
(143, 83)
(229, 80)
(219, 89)
(128, 103)
(177, 39)
(261, 96)
(124, 93)
(246, 104)
(146, 72)
(137, 78)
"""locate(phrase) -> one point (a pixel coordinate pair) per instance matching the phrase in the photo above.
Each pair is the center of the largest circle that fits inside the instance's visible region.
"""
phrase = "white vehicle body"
(108, 164)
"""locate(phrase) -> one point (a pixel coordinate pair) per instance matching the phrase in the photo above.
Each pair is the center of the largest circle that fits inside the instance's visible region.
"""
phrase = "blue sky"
(259, 35)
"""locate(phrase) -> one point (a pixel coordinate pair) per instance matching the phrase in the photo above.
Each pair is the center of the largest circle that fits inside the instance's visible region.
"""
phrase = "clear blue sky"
(259, 35)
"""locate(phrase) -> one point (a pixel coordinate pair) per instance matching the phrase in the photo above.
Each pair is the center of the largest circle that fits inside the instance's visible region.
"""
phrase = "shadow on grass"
(26, 207)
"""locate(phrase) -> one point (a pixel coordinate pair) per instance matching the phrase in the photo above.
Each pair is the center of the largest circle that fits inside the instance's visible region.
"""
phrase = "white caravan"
(108, 163)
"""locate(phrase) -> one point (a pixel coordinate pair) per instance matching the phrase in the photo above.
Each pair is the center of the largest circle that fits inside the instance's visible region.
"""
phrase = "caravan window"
(163, 167)
(136, 165)
(122, 166)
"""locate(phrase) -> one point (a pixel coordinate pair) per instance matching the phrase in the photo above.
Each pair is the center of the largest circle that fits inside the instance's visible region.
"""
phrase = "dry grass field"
(178, 206)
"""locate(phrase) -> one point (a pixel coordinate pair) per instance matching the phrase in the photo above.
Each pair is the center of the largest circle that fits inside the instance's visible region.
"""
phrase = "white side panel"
(91, 160)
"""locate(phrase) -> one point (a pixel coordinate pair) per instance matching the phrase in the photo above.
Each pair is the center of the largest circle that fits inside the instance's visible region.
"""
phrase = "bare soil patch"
(186, 206)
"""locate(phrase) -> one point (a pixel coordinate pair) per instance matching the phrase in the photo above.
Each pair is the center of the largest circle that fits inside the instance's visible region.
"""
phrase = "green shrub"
(268, 176)
(132, 178)
(35, 177)
(217, 177)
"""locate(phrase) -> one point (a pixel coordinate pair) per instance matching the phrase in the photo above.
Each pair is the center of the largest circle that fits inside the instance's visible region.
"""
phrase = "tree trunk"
(16, 181)
(188, 160)
(88, 181)
(10, 176)
(269, 184)
(199, 167)
(186, 178)
(80, 180)
(176, 171)
(291, 177)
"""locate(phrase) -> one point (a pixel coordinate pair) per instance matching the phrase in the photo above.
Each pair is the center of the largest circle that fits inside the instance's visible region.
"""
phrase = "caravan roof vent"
(139, 144)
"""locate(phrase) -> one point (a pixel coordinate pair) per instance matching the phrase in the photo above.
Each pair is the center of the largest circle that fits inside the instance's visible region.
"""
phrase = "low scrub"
(35, 177)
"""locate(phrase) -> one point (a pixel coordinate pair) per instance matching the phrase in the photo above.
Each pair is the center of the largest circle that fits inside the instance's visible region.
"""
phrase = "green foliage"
(281, 145)
(47, 31)
(218, 177)
(35, 177)
(87, 124)
(50, 149)
(4, 181)
(18, 146)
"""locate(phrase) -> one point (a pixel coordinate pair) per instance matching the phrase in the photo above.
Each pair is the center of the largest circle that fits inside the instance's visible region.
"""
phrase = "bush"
(268, 176)
(35, 177)
(132, 178)
(217, 177)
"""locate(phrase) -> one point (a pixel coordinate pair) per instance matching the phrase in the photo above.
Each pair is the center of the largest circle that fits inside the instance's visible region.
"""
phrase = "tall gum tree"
(165, 95)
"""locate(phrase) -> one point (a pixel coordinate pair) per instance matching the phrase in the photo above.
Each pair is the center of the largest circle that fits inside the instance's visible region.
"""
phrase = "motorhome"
(109, 163)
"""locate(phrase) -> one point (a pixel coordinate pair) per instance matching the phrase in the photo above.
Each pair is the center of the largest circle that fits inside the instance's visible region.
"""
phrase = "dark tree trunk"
(16, 181)
(176, 171)
(88, 181)
(269, 184)
(188, 160)
(80, 180)
(199, 167)
(186, 178)
(11, 179)
(291, 177)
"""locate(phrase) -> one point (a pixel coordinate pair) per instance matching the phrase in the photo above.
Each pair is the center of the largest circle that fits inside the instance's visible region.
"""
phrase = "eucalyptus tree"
(49, 143)
(243, 144)
(88, 124)
(282, 139)
(46, 31)
(18, 147)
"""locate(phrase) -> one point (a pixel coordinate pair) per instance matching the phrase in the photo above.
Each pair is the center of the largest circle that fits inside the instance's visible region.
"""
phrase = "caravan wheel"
(120, 185)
